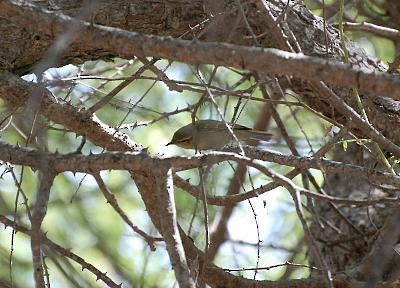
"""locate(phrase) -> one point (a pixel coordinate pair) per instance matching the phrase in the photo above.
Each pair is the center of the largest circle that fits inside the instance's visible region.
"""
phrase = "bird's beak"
(170, 143)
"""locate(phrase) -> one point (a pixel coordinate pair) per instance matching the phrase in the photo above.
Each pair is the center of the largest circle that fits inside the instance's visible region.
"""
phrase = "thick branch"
(16, 91)
(139, 161)
(128, 44)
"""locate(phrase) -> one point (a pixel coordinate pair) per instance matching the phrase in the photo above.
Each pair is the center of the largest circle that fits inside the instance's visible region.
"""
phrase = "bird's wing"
(219, 125)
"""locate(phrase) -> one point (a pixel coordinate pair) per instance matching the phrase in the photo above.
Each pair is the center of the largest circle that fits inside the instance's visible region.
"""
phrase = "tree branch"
(137, 161)
(128, 44)
(16, 91)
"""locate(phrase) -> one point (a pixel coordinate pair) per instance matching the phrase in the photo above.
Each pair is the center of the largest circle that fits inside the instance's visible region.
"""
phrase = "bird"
(214, 135)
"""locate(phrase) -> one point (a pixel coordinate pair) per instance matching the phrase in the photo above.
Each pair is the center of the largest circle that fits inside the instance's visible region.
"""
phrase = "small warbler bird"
(214, 135)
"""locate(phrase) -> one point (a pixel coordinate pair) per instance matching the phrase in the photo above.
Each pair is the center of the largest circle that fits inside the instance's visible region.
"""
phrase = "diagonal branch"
(62, 251)
(355, 120)
(16, 91)
(113, 202)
